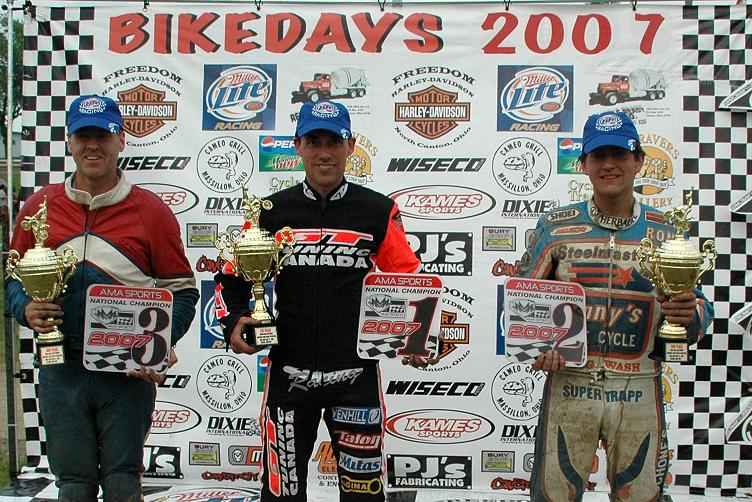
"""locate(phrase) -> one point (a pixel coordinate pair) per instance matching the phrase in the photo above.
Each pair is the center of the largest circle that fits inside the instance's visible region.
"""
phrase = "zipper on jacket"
(611, 248)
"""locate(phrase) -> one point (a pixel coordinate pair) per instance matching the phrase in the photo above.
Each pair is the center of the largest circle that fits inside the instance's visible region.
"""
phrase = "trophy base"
(261, 335)
(676, 352)
(50, 355)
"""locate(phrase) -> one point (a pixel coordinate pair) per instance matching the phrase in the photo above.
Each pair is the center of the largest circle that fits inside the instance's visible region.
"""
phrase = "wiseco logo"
(442, 202)
(439, 426)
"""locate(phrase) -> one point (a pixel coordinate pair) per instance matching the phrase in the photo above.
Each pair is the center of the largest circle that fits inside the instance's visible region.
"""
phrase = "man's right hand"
(43, 317)
(550, 361)
(237, 344)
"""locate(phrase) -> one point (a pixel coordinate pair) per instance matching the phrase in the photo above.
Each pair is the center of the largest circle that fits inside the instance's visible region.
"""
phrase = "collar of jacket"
(613, 222)
(336, 194)
(113, 196)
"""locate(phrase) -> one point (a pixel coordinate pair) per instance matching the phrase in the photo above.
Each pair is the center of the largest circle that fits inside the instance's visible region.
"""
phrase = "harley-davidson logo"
(145, 110)
(432, 112)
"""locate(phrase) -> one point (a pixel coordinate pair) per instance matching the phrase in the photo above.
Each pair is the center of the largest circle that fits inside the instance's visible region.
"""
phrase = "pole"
(10, 339)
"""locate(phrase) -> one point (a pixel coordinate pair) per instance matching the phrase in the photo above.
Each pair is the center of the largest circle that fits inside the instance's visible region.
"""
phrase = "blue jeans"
(96, 425)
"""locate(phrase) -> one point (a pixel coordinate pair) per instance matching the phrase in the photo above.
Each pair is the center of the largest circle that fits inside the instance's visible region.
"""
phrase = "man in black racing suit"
(617, 397)
(342, 230)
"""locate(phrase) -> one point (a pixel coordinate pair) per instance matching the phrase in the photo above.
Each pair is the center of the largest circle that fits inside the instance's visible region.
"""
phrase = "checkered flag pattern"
(386, 348)
(108, 359)
(55, 40)
(717, 149)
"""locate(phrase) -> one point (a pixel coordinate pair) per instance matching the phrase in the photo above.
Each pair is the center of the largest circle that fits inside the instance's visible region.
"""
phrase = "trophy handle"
(285, 238)
(709, 255)
(646, 255)
(224, 244)
(10, 266)
(68, 260)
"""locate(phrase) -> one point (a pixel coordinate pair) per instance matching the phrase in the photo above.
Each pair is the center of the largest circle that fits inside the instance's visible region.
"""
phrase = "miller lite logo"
(535, 98)
(239, 97)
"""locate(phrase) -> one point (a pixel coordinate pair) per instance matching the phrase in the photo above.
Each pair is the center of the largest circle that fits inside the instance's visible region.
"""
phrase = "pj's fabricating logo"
(239, 97)
(432, 105)
(447, 253)
(429, 471)
(535, 98)
(162, 462)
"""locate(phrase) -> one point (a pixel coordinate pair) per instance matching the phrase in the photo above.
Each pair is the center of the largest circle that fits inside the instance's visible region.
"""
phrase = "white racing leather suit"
(617, 397)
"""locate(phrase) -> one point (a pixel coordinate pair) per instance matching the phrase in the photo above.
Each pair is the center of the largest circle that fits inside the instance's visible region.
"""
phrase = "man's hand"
(550, 361)
(43, 317)
(679, 309)
(417, 361)
(237, 344)
(152, 376)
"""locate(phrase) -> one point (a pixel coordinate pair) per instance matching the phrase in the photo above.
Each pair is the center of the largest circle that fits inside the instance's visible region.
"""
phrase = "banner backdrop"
(470, 118)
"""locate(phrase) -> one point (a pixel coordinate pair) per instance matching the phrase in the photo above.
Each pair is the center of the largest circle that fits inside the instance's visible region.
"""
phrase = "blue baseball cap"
(94, 111)
(609, 129)
(326, 115)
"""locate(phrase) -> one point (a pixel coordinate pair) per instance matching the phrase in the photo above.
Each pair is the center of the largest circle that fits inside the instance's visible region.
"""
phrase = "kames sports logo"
(442, 202)
(436, 426)
(535, 98)
(172, 418)
(239, 97)
(178, 199)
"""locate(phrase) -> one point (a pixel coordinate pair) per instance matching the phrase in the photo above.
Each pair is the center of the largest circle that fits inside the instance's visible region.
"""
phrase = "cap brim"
(319, 125)
(608, 140)
(93, 122)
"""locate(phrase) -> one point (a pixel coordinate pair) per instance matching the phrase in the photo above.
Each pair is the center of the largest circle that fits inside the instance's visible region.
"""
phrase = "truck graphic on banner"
(340, 83)
(640, 84)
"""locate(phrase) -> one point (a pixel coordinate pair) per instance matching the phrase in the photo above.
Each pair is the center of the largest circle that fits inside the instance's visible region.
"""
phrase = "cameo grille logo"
(521, 166)
(224, 164)
(517, 391)
(432, 105)
(224, 383)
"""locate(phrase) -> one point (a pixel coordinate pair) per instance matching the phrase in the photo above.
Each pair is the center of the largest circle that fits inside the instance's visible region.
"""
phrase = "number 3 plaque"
(127, 328)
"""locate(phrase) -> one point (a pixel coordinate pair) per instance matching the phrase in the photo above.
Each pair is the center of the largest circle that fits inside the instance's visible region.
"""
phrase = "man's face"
(612, 171)
(95, 152)
(324, 157)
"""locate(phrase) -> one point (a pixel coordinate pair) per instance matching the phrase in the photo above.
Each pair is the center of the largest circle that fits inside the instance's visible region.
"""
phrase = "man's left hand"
(152, 376)
(417, 361)
(679, 309)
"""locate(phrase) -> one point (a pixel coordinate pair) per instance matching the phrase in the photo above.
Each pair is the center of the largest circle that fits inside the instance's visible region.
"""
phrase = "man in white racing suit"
(617, 397)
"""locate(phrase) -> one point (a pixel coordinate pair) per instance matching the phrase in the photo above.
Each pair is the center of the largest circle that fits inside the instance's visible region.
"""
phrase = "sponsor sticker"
(499, 238)
(178, 199)
(278, 154)
(657, 173)
(173, 418)
(497, 461)
(203, 453)
(201, 235)
(429, 471)
(568, 151)
(245, 455)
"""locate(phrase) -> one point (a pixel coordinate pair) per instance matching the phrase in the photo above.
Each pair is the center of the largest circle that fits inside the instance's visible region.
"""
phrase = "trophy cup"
(674, 268)
(258, 257)
(44, 275)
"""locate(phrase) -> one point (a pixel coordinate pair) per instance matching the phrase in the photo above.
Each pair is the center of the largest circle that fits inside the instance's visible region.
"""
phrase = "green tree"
(17, 71)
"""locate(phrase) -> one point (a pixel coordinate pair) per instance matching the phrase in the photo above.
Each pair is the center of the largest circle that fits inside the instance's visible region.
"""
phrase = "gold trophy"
(674, 268)
(258, 257)
(44, 275)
